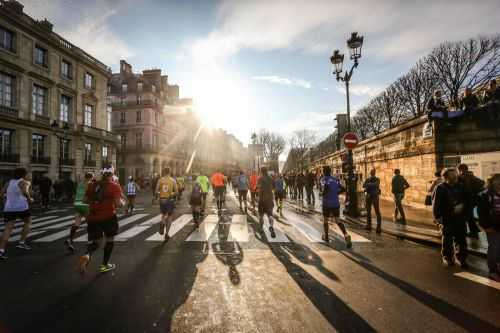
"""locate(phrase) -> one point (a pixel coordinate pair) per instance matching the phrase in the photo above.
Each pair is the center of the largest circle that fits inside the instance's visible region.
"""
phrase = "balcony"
(98, 133)
(145, 148)
(8, 112)
(67, 161)
(40, 159)
(89, 163)
(42, 119)
(9, 158)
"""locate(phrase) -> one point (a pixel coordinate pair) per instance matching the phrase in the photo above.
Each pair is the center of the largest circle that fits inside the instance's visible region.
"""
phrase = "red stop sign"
(350, 140)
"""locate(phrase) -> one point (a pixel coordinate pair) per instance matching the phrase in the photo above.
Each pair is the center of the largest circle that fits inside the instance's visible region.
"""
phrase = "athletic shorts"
(331, 211)
(107, 227)
(243, 193)
(131, 196)
(167, 206)
(266, 208)
(82, 209)
(279, 195)
(219, 191)
(13, 216)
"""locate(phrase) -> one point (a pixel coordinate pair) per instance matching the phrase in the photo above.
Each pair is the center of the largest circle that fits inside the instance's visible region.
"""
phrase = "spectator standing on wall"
(372, 190)
(448, 208)
(399, 186)
(469, 101)
(472, 187)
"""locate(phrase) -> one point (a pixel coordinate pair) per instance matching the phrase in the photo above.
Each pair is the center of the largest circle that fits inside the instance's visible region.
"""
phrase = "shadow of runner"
(453, 313)
(338, 314)
(229, 253)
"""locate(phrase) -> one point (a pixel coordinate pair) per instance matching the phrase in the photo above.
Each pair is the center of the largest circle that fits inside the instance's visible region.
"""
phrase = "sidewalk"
(419, 224)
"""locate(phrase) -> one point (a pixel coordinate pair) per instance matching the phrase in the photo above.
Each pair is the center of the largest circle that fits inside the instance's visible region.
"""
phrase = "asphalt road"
(228, 276)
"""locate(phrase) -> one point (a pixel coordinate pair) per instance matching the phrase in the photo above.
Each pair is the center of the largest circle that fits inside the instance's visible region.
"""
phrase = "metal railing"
(67, 161)
(9, 112)
(9, 158)
(40, 159)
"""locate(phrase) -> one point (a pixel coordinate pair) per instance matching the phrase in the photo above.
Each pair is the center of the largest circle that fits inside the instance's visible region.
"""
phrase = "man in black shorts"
(103, 198)
(266, 199)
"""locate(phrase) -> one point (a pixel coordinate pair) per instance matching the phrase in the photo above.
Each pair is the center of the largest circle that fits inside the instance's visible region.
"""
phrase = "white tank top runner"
(16, 201)
(131, 189)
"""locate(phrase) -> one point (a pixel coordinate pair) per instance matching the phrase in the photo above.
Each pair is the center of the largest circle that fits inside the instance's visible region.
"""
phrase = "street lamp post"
(354, 44)
(65, 128)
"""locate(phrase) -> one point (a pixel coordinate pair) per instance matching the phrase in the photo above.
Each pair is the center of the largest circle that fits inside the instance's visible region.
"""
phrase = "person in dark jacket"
(448, 208)
(489, 219)
(45, 185)
(301, 182)
(310, 182)
(372, 190)
(399, 186)
(472, 186)
(469, 101)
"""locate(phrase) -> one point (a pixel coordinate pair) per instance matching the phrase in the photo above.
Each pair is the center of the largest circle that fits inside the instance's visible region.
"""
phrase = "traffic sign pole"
(350, 142)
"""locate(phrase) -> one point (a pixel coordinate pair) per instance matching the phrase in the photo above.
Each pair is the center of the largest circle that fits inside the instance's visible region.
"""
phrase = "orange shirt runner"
(217, 179)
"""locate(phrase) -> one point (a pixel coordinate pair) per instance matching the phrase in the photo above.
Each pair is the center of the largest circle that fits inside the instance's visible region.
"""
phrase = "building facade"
(155, 126)
(54, 117)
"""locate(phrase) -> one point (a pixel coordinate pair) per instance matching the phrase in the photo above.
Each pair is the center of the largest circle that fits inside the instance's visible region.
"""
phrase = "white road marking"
(122, 223)
(18, 237)
(52, 237)
(33, 221)
(207, 226)
(479, 279)
(42, 224)
(305, 229)
(238, 231)
(176, 225)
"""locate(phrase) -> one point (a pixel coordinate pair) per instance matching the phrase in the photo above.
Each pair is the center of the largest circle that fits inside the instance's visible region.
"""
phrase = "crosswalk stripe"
(59, 225)
(238, 231)
(307, 230)
(123, 236)
(479, 279)
(39, 219)
(52, 237)
(207, 226)
(176, 225)
(42, 224)
(18, 237)
(121, 223)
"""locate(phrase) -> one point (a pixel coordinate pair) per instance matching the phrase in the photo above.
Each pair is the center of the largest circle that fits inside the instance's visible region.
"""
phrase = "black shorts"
(243, 193)
(331, 211)
(266, 208)
(107, 227)
(13, 216)
(131, 196)
(279, 195)
(219, 191)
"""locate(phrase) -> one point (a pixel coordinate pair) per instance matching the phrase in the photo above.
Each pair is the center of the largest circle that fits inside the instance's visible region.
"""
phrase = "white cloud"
(322, 123)
(284, 81)
(325, 89)
(362, 90)
(391, 28)
(85, 25)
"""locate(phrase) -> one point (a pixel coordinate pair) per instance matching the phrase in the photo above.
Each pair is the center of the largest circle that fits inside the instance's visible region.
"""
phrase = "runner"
(218, 184)
(279, 194)
(167, 192)
(253, 189)
(181, 184)
(331, 205)
(266, 205)
(81, 209)
(242, 186)
(17, 200)
(132, 189)
(234, 183)
(103, 197)
(195, 201)
(205, 185)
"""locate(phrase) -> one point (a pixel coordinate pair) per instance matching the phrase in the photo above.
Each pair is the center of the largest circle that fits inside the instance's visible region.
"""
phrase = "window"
(88, 115)
(123, 142)
(157, 117)
(7, 40)
(138, 140)
(37, 145)
(139, 86)
(41, 56)
(122, 117)
(108, 117)
(139, 99)
(66, 69)
(38, 100)
(138, 116)
(6, 138)
(6, 85)
(87, 152)
(105, 151)
(88, 81)
(109, 89)
(65, 108)
(124, 88)
(64, 149)
(155, 140)
(153, 88)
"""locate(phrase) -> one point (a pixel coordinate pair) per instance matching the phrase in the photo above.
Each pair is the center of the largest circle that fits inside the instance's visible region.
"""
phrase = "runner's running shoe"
(348, 242)
(23, 246)
(83, 263)
(166, 239)
(69, 245)
(106, 268)
(271, 230)
(161, 231)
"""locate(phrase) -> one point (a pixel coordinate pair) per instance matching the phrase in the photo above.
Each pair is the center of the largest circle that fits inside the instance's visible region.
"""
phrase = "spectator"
(489, 219)
(399, 186)
(437, 180)
(436, 104)
(372, 190)
(448, 209)
(301, 182)
(469, 101)
(310, 182)
(492, 94)
(472, 187)
(45, 184)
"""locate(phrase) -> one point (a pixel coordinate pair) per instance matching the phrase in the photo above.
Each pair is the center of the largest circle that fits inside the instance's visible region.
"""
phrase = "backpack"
(196, 194)
(98, 193)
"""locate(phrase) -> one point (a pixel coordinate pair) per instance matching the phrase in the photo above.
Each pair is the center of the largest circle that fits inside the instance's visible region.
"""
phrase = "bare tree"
(274, 144)
(456, 65)
(360, 126)
(388, 104)
(302, 140)
(374, 119)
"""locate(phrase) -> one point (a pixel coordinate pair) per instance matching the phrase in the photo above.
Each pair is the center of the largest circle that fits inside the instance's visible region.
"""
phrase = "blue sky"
(265, 64)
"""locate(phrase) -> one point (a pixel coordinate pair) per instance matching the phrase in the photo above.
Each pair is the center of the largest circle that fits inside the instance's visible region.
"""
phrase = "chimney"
(153, 75)
(125, 68)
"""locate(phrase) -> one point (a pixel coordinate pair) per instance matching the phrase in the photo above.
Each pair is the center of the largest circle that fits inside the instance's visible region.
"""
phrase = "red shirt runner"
(105, 209)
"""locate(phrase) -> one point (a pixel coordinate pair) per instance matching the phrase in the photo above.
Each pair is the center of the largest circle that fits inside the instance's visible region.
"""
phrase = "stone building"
(155, 126)
(53, 113)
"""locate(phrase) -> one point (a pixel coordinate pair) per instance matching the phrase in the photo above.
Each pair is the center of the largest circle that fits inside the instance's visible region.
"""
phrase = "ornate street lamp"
(65, 129)
(355, 44)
